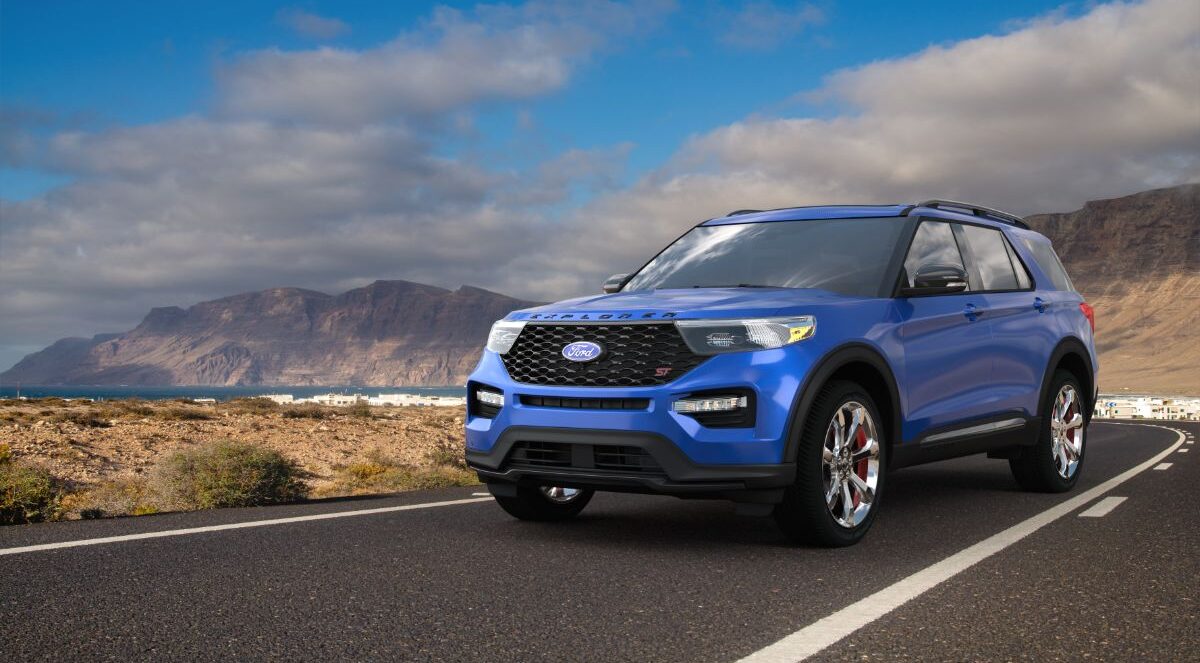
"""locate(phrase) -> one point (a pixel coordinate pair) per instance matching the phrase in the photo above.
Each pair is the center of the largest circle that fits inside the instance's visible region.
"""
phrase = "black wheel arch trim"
(822, 371)
(1066, 347)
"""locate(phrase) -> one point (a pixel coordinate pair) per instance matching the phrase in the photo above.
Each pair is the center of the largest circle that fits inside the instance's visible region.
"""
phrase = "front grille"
(633, 459)
(541, 454)
(636, 355)
(587, 403)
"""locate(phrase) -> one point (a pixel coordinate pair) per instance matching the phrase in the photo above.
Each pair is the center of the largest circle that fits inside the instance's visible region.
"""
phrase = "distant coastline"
(219, 393)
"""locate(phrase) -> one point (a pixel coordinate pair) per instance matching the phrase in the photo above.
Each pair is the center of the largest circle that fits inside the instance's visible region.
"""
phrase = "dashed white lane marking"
(1183, 451)
(1103, 507)
(1163, 466)
(228, 526)
(481, 494)
(817, 636)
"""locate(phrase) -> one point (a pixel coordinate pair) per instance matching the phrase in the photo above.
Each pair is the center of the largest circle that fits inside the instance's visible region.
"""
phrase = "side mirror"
(934, 279)
(615, 283)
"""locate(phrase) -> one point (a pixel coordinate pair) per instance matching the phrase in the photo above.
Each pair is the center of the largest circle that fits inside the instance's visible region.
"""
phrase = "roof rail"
(743, 211)
(977, 210)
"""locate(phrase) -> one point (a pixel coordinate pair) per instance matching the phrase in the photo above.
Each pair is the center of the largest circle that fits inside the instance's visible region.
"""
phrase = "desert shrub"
(28, 494)
(307, 411)
(228, 474)
(184, 414)
(361, 410)
(85, 419)
(377, 473)
(118, 497)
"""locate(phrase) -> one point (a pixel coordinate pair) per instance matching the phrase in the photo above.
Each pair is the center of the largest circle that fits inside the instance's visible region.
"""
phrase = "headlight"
(710, 337)
(504, 333)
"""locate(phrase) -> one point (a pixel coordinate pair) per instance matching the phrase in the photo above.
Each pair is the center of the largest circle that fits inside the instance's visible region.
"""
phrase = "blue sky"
(167, 153)
(93, 65)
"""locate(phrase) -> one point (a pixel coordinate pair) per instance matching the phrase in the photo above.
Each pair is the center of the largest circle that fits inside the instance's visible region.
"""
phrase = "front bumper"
(694, 459)
(670, 472)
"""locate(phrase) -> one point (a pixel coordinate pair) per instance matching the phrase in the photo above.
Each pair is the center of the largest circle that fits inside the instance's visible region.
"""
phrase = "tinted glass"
(991, 257)
(1024, 282)
(1047, 259)
(933, 244)
(846, 256)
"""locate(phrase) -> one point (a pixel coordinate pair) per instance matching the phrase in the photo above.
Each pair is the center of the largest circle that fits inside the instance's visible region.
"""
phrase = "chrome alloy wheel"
(1066, 432)
(560, 495)
(850, 464)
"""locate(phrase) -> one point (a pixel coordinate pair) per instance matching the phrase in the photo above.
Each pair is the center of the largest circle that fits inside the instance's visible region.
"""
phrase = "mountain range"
(1136, 259)
(387, 333)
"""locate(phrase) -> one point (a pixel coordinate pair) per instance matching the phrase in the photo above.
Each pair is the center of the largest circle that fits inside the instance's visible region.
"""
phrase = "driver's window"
(933, 244)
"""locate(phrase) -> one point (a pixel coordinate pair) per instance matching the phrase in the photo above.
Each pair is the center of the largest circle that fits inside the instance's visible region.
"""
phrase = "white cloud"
(457, 59)
(312, 25)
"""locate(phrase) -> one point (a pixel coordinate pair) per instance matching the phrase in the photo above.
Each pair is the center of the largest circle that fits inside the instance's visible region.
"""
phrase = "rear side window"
(1048, 260)
(1024, 281)
(990, 252)
(933, 244)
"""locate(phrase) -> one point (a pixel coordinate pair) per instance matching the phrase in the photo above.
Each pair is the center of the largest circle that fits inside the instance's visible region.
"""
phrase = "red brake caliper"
(860, 442)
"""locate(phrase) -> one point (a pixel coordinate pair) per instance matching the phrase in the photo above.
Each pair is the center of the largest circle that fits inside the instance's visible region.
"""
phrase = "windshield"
(846, 256)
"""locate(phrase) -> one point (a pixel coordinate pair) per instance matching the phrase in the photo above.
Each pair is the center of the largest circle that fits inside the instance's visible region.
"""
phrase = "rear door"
(947, 360)
(1022, 331)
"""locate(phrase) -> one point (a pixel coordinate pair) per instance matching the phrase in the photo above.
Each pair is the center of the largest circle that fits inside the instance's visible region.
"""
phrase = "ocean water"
(109, 392)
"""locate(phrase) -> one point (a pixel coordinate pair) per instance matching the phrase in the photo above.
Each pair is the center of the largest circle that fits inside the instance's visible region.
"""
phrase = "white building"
(382, 400)
(1147, 407)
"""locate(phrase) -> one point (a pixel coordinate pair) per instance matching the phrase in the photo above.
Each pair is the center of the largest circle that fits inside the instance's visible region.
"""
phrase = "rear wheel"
(545, 503)
(1053, 464)
(839, 470)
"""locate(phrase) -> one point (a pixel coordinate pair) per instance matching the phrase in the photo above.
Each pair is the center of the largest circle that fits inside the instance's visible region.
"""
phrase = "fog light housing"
(483, 401)
(490, 398)
(702, 404)
(726, 408)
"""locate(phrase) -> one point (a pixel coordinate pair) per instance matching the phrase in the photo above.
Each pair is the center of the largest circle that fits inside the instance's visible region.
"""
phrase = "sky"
(167, 153)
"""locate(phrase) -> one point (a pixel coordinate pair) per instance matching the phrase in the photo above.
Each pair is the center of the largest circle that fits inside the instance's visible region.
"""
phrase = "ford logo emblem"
(583, 351)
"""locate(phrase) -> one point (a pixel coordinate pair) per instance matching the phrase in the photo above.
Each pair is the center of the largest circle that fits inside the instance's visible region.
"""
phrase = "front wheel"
(545, 503)
(1053, 464)
(839, 470)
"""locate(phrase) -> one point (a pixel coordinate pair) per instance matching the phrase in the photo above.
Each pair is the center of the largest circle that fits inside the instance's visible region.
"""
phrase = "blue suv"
(789, 360)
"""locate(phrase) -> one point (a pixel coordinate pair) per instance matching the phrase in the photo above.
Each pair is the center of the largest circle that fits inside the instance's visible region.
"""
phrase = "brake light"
(1089, 313)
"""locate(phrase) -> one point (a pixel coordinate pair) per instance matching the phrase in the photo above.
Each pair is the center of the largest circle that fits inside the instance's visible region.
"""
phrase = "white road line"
(1163, 466)
(229, 526)
(1183, 451)
(482, 494)
(1103, 507)
(825, 632)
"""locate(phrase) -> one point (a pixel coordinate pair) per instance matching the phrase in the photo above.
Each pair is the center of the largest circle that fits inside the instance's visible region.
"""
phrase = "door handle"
(972, 312)
(1040, 304)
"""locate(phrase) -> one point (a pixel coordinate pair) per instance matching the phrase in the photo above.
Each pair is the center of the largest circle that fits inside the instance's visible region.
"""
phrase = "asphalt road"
(634, 578)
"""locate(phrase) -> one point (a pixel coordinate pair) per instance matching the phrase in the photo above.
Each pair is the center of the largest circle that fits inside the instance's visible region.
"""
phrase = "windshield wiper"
(740, 285)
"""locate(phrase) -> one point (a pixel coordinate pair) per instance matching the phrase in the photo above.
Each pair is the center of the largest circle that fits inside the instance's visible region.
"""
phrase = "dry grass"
(378, 473)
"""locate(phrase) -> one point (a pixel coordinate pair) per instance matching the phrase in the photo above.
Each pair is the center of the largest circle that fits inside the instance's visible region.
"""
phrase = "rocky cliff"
(387, 333)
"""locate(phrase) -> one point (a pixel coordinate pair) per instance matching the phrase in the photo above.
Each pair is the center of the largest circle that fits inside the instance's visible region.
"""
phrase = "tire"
(1053, 464)
(535, 503)
(806, 514)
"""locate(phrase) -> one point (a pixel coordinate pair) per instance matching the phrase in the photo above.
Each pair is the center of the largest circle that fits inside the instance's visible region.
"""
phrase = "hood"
(682, 304)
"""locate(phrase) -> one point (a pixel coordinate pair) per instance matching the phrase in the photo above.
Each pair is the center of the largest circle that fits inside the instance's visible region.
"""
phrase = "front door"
(946, 340)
